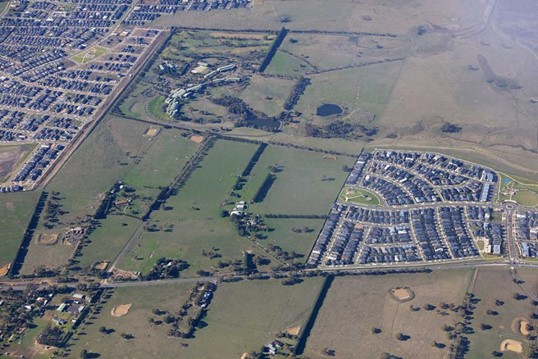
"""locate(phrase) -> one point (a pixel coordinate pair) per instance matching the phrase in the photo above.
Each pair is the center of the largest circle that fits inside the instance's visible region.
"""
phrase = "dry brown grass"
(4, 269)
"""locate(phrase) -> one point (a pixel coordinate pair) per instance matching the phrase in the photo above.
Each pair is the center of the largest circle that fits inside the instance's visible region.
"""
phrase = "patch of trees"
(274, 47)
(52, 210)
(296, 93)
(282, 254)
(166, 268)
(255, 158)
(264, 188)
(52, 336)
(450, 128)
(247, 116)
(340, 129)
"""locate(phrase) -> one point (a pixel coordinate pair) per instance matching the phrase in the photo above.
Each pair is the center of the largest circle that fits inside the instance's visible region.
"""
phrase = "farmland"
(499, 310)
(118, 150)
(194, 215)
(15, 212)
(149, 339)
(336, 324)
(306, 182)
(246, 315)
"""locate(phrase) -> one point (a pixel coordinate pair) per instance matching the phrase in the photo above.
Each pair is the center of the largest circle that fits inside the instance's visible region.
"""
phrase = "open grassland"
(367, 88)
(293, 235)
(134, 105)
(338, 15)
(286, 64)
(150, 340)
(354, 305)
(16, 209)
(306, 182)
(11, 156)
(46, 256)
(323, 52)
(267, 95)
(498, 285)
(193, 216)
(107, 239)
(246, 315)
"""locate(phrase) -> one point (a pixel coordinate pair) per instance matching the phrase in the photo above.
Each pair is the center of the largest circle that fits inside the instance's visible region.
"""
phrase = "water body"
(328, 109)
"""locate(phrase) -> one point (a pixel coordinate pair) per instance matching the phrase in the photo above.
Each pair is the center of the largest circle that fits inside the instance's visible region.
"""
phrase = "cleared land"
(246, 315)
(306, 182)
(193, 221)
(355, 305)
(150, 340)
(10, 157)
(16, 209)
(107, 239)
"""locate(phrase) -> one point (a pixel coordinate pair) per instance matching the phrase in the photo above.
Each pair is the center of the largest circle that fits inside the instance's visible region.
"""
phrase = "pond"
(328, 109)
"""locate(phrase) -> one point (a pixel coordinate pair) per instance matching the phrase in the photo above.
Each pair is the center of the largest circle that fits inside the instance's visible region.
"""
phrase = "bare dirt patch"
(197, 139)
(402, 294)
(124, 274)
(45, 239)
(329, 157)
(120, 310)
(519, 325)
(294, 330)
(152, 132)
(512, 345)
(101, 265)
(4, 269)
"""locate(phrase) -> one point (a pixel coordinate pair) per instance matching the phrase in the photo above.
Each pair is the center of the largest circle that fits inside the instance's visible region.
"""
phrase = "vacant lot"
(10, 157)
(504, 309)
(16, 209)
(306, 182)
(354, 305)
(108, 239)
(293, 235)
(192, 221)
(246, 315)
(150, 340)
(90, 54)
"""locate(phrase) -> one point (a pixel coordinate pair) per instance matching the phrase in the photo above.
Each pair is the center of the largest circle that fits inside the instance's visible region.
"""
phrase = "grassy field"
(285, 234)
(484, 342)
(285, 64)
(246, 315)
(267, 95)
(360, 196)
(354, 305)
(107, 239)
(308, 183)
(195, 215)
(117, 150)
(149, 340)
(523, 192)
(90, 54)
(16, 209)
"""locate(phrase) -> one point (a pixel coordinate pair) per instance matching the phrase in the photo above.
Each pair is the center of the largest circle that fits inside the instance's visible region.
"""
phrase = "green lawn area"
(299, 188)
(246, 315)
(16, 209)
(150, 341)
(360, 196)
(284, 64)
(108, 239)
(90, 54)
(195, 215)
(155, 108)
(133, 105)
(283, 234)
(522, 191)
(267, 94)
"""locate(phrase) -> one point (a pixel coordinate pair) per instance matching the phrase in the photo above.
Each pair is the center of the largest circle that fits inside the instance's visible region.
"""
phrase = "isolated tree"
(376, 330)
